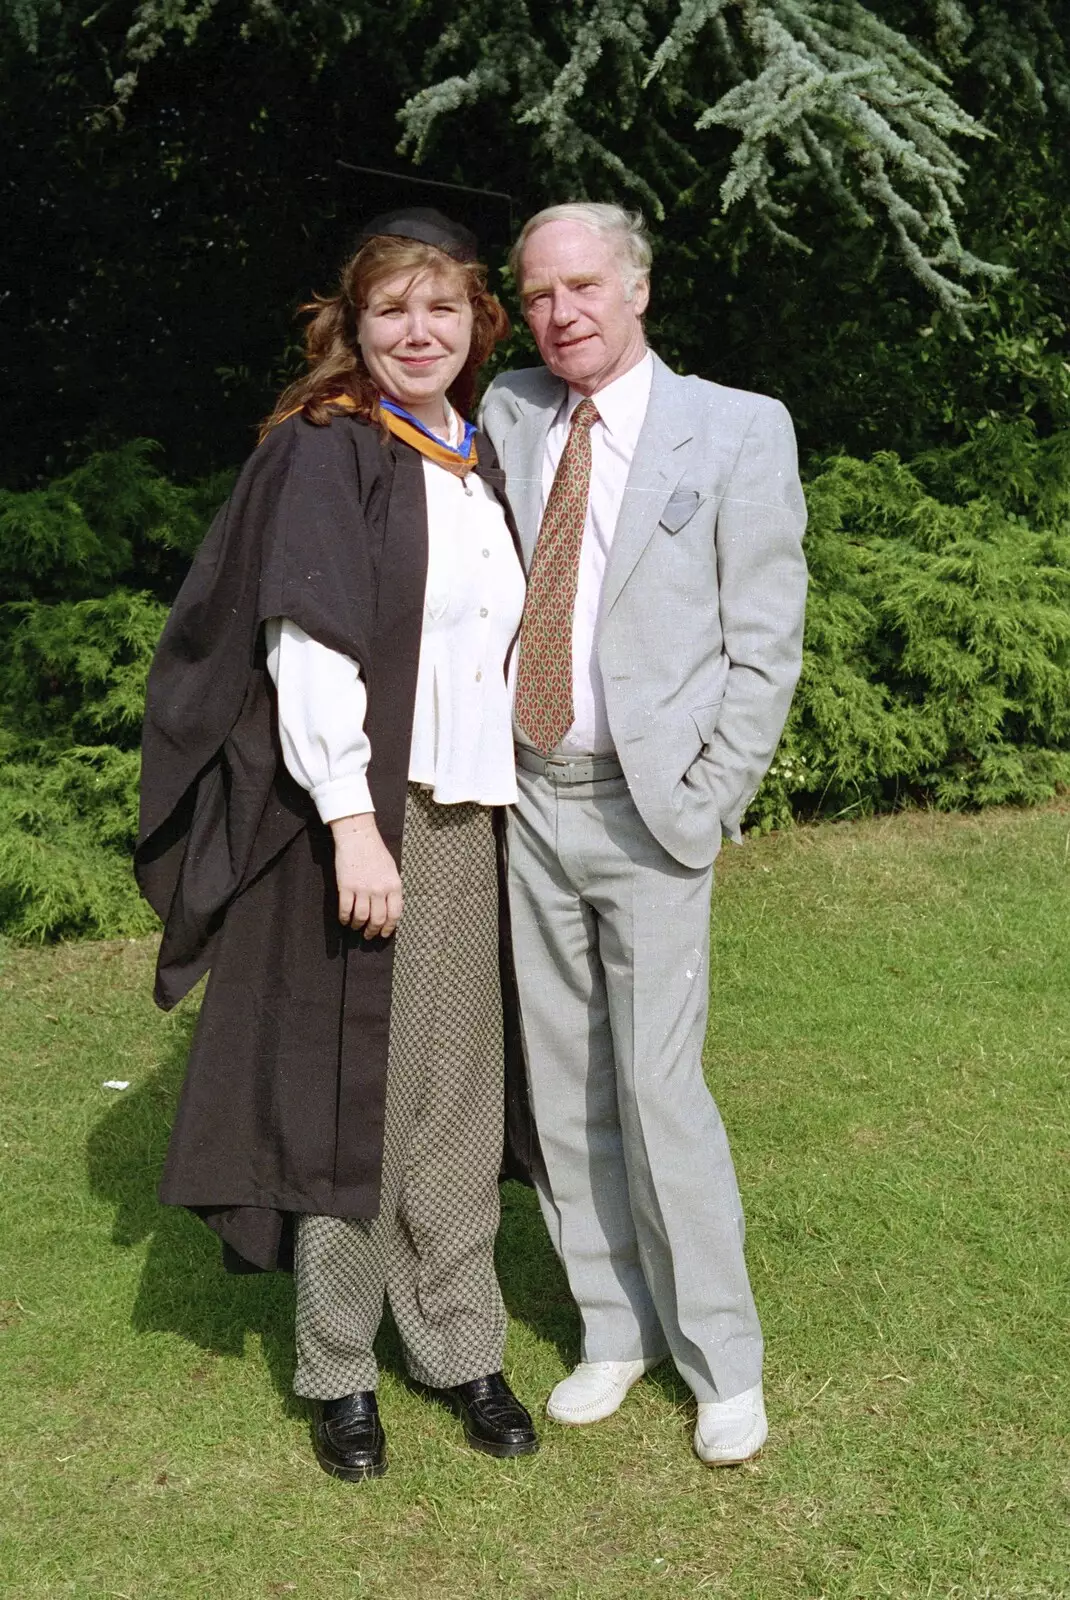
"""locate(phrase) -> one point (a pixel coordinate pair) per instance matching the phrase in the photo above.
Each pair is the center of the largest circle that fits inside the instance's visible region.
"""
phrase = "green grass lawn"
(889, 1044)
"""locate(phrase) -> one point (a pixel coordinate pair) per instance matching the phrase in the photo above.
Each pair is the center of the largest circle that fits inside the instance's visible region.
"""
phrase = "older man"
(661, 518)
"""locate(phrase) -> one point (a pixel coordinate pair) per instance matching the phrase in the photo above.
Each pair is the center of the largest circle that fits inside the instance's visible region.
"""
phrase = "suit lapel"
(523, 449)
(656, 468)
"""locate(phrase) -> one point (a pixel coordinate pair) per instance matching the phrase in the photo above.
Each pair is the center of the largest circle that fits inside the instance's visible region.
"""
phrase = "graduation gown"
(283, 1103)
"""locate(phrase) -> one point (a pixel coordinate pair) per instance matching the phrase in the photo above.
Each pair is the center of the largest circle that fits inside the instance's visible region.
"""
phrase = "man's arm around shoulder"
(496, 409)
(509, 393)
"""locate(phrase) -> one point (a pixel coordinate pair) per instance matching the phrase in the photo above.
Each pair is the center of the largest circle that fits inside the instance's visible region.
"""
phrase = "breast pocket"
(681, 507)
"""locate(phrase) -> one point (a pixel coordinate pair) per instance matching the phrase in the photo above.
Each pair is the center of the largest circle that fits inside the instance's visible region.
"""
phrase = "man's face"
(587, 330)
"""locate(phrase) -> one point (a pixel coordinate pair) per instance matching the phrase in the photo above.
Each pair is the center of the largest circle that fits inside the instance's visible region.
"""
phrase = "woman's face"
(414, 335)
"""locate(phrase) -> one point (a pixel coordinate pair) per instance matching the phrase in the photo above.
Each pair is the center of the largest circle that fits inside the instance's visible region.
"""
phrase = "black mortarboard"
(425, 224)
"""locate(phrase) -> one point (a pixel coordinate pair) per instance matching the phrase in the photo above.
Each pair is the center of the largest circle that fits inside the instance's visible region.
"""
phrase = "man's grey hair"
(624, 231)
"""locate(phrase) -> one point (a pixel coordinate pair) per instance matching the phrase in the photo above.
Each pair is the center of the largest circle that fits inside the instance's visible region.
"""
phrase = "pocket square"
(680, 509)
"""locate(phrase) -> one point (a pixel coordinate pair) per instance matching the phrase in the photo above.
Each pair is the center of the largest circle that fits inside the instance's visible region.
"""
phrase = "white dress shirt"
(462, 745)
(622, 408)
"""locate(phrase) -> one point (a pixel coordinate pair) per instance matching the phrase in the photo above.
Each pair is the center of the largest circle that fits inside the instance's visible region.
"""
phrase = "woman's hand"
(369, 885)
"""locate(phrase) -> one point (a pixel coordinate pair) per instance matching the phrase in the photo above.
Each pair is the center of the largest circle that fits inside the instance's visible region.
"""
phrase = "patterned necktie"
(543, 705)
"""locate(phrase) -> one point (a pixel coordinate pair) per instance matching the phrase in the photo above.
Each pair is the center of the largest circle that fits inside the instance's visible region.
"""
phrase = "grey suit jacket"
(700, 634)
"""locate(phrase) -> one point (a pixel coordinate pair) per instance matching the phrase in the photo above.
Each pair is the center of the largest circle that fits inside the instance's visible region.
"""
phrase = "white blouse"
(462, 742)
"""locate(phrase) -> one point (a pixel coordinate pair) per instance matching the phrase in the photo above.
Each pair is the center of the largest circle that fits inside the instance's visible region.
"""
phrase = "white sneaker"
(731, 1431)
(594, 1390)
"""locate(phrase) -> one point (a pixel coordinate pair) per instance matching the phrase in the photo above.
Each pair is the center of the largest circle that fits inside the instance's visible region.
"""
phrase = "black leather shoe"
(349, 1438)
(494, 1420)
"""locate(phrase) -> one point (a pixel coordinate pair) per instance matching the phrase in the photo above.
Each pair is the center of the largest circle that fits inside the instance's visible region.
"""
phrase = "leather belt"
(580, 769)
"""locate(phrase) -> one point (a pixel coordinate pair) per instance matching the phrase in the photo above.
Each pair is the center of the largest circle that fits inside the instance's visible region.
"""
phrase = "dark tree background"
(159, 237)
(179, 175)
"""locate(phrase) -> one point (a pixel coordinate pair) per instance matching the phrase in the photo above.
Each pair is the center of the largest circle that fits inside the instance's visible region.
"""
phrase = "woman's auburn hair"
(332, 350)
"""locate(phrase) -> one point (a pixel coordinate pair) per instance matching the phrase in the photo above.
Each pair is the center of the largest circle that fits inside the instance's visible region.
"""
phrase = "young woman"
(327, 736)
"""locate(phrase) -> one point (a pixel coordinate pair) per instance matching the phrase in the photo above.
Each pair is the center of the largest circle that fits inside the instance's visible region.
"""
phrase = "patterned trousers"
(431, 1248)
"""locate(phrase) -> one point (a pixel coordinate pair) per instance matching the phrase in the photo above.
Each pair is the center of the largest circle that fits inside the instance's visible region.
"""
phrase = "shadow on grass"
(533, 1281)
(184, 1289)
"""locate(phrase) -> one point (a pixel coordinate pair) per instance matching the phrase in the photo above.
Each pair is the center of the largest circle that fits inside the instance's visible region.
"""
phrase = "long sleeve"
(322, 704)
(762, 579)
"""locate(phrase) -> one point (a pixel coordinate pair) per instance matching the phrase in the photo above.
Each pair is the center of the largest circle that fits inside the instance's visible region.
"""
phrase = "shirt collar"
(621, 404)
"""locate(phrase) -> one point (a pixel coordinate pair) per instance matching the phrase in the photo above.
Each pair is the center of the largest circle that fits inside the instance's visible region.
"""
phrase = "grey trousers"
(431, 1248)
(611, 938)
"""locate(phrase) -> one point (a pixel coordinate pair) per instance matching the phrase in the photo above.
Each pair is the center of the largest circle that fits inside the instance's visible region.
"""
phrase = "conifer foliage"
(937, 658)
(794, 103)
(937, 666)
(807, 87)
(937, 654)
(90, 562)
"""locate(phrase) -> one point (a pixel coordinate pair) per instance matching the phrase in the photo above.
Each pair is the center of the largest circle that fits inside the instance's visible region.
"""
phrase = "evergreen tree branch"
(823, 88)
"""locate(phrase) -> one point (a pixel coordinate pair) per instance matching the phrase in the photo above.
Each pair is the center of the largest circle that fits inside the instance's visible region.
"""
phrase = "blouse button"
(483, 611)
(479, 677)
(486, 552)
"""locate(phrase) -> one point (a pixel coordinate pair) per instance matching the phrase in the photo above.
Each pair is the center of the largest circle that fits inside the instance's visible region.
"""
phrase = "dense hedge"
(937, 657)
(937, 665)
(87, 566)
